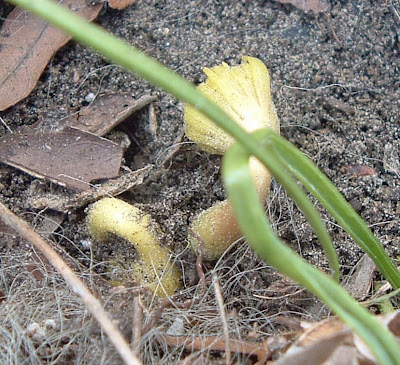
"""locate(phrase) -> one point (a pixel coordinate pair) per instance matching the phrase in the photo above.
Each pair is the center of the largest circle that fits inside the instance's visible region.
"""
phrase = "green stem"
(322, 188)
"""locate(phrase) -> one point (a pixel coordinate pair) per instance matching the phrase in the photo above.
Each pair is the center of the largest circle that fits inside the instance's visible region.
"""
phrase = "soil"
(337, 100)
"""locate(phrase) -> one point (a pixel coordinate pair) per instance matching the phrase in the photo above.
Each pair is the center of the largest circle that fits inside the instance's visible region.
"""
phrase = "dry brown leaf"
(361, 280)
(26, 46)
(392, 322)
(70, 157)
(106, 112)
(355, 171)
(331, 342)
(120, 4)
(317, 6)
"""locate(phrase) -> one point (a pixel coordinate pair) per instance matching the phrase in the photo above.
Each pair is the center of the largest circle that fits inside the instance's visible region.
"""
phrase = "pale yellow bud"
(243, 92)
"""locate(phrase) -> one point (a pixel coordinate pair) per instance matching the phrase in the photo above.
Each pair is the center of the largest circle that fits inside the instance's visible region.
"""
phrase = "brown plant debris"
(331, 342)
(120, 4)
(70, 157)
(106, 112)
(317, 6)
(260, 350)
(355, 171)
(27, 45)
(39, 197)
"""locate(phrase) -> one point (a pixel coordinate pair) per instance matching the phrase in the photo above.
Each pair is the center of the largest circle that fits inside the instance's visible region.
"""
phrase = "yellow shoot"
(154, 268)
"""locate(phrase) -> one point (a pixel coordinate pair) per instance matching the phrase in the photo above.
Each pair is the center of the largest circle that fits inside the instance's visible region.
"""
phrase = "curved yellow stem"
(154, 269)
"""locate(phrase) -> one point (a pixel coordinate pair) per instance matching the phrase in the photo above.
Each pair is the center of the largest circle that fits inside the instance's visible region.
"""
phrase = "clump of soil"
(337, 102)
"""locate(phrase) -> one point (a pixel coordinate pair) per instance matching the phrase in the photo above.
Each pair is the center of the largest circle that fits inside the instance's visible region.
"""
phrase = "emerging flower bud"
(244, 93)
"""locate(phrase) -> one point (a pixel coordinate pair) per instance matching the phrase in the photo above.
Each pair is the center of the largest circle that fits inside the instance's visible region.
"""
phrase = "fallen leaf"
(27, 43)
(70, 157)
(120, 4)
(392, 322)
(356, 171)
(331, 342)
(106, 112)
(317, 6)
(361, 280)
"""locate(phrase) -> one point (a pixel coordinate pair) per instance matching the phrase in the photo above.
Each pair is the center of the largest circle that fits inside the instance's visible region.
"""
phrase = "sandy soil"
(338, 102)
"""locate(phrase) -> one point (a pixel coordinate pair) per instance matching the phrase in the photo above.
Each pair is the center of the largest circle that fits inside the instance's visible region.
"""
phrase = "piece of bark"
(70, 157)
(27, 44)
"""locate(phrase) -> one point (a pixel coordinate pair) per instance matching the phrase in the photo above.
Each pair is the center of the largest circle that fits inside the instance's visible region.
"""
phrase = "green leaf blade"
(271, 249)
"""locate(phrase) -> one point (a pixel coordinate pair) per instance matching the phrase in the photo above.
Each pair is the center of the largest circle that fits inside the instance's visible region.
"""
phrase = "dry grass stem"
(221, 308)
(199, 260)
(137, 325)
(260, 350)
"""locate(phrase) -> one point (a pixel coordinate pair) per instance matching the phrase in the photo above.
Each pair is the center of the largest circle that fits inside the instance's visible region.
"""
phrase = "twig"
(332, 29)
(173, 149)
(199, 260)
(261, 350)
(77, 286)
(153, 122)
(137, 325)
(221, 308)
(166, 303)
